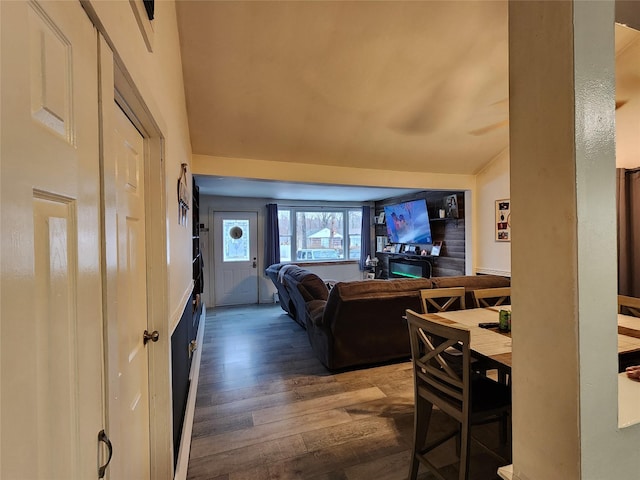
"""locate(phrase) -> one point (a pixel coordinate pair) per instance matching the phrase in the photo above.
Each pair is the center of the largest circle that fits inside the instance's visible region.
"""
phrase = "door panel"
(235, 256)
(129, 389)
(51, 331)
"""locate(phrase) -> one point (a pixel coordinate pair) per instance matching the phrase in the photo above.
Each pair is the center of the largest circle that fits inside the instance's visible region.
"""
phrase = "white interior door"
(129, 381)
(51, 408)
(236, 258)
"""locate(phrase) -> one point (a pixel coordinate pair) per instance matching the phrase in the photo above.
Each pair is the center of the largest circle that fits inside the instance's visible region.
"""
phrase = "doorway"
(235, 253)
(134, 228)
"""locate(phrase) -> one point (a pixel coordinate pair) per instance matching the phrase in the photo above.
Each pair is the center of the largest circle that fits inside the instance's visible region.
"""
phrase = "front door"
(129, 384)
(236, 258)
(51, 303)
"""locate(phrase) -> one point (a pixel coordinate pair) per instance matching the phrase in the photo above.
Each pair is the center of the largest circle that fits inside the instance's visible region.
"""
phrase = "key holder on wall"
(183, 196)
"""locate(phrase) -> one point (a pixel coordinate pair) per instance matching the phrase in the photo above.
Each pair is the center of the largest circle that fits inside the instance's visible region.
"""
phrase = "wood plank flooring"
(267, 409)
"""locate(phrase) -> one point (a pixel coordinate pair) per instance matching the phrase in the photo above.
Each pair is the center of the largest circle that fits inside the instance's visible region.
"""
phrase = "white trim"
(187, 424)
(489, 271)
(145, 25)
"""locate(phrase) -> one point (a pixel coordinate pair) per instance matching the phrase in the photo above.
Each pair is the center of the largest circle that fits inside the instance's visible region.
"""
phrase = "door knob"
(255, 263)
(153, 336)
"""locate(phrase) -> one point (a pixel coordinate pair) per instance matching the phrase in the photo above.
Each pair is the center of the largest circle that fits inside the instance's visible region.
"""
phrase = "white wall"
(266, 289)
(492, 184)
(158, 77)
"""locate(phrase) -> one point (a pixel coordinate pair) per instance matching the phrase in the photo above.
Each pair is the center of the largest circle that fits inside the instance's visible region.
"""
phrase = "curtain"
(365, 236)
(272, 236)
(628, 207)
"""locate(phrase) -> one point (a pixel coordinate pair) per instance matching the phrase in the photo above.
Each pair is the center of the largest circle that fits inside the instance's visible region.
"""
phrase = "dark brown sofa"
(361, 322)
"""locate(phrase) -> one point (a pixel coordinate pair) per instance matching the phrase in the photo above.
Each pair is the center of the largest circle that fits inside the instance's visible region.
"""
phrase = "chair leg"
(504, 429)
(421, 419)
(465, 446)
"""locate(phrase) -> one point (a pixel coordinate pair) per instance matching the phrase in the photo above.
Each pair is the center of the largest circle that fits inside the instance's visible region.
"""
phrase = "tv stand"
(409, 266)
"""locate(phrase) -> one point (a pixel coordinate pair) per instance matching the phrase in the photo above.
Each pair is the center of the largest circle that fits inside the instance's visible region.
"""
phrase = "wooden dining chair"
(491, 297)
(442, 299)
(450, 298)
(468, 398)
(629, 305)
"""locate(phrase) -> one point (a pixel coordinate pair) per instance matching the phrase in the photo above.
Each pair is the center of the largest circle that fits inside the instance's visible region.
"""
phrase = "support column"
(564, 282)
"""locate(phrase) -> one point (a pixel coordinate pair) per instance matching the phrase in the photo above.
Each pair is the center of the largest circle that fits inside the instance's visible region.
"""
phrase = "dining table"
(494, 346)
(490, 344)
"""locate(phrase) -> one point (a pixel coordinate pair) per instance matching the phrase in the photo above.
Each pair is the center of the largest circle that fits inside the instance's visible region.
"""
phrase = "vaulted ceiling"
(409, 86)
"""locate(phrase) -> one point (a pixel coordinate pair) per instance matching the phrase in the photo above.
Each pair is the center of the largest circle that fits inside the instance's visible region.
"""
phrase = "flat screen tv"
(408, 222)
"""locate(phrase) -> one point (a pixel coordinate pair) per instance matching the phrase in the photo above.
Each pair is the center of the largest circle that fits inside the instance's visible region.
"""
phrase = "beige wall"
(303, 172)
(158, 77)
(492, 184)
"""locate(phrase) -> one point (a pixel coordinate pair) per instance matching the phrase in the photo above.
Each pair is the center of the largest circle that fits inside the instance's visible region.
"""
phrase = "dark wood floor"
(267, 409)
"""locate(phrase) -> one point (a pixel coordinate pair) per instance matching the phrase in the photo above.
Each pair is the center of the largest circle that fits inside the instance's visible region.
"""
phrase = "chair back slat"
(442, 384)
(434, 353)
(451, 409)
(491, 297)
(629, 305)
(442, 299)
(431, 377)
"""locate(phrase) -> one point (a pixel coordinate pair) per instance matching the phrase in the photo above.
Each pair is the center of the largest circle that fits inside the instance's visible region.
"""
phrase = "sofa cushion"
(315, 312)
(274, 272)
(471, 282)
(313, 287)
(302, 287)
(373, 288)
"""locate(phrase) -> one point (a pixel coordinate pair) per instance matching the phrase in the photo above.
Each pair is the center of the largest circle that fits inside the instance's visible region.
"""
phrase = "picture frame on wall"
(451, 206)
(503, 220)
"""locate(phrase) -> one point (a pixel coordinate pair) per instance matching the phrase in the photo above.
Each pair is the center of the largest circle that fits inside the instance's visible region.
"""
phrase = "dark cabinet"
(392, 265)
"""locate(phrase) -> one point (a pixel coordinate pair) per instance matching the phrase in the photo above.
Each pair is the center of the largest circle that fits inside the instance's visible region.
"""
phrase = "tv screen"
(408, 222)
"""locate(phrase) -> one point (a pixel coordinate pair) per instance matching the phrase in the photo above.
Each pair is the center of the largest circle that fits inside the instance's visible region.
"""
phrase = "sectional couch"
(361, 322)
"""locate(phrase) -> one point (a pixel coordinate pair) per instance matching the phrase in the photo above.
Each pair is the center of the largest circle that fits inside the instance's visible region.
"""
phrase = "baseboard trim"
(187, 425)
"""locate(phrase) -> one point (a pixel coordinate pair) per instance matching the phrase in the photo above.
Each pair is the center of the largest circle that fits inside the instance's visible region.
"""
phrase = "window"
(284, 227)
(235, 241)
(320, 235)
